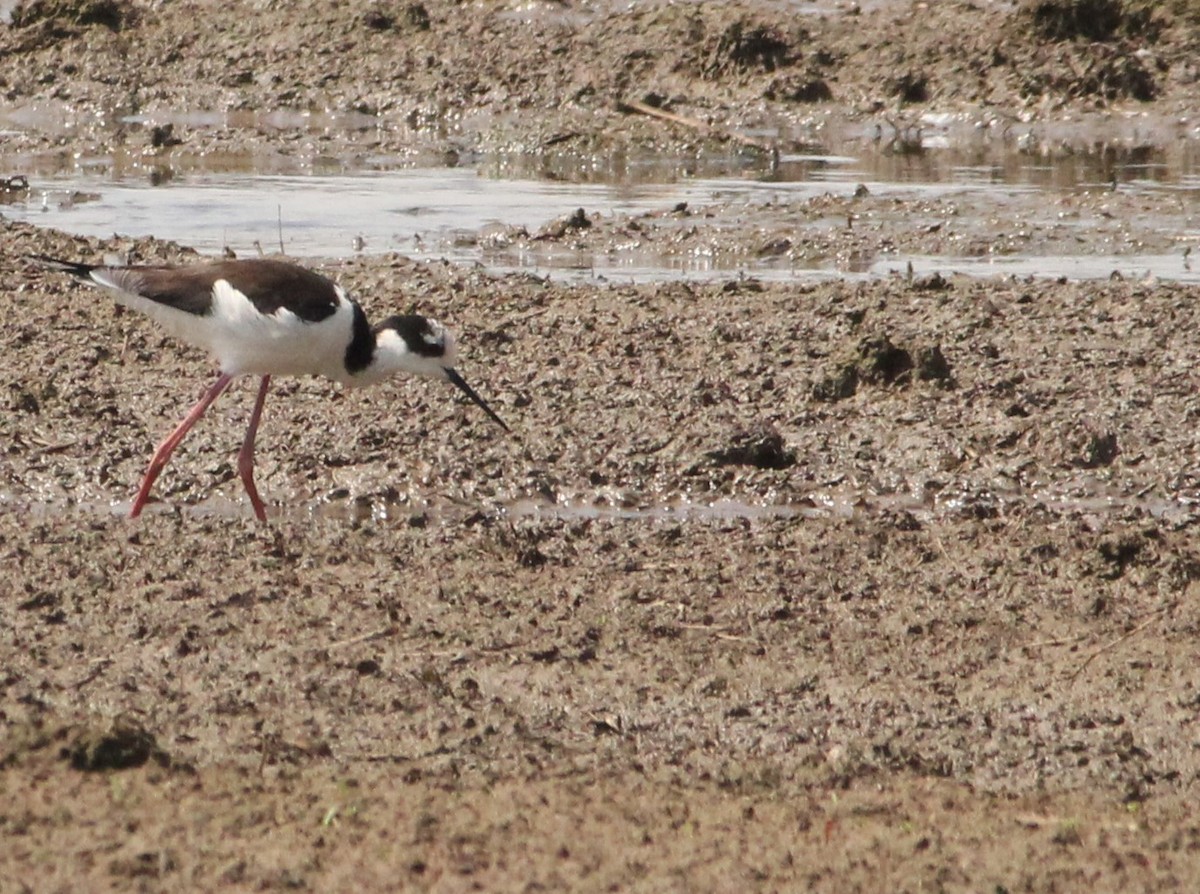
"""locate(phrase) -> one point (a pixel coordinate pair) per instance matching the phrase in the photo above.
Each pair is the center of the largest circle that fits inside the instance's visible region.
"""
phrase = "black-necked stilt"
(268, 318)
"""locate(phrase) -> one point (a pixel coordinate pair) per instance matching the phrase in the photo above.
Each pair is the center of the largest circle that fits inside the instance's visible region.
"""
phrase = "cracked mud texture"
(964, 657)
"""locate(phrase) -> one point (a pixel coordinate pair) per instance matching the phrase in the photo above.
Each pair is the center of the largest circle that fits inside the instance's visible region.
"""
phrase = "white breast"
(245, 341)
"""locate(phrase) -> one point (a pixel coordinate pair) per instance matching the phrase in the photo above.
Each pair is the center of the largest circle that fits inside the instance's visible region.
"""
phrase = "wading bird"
(268, 317)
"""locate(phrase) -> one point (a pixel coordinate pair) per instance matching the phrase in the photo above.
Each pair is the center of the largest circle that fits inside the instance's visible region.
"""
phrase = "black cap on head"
(421, 335)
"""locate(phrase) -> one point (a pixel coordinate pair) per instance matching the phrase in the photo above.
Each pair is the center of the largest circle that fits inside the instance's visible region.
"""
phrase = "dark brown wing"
(269, 285)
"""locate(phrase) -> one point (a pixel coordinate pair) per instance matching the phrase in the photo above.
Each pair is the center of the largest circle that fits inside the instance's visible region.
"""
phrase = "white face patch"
(393, 355)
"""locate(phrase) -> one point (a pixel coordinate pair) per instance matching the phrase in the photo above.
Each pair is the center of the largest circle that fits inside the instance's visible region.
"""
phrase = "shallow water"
(1098, 506)
(430, 206)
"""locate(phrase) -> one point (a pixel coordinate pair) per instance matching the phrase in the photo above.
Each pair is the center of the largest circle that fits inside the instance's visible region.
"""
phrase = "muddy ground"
(792, 586)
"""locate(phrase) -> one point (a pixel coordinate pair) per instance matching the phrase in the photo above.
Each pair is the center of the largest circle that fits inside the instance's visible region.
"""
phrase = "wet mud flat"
(430, 75)
(977, 672)
(964, 660)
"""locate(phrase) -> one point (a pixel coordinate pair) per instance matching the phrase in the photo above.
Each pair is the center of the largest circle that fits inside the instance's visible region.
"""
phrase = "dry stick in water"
(632, 106)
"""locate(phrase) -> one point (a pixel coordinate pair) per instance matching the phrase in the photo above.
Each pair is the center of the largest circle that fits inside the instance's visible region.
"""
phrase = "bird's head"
(421, 346)
(415, 345)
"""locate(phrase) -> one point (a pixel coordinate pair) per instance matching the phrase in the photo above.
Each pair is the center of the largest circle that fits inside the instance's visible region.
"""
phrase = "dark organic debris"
(1102, 70)
(1087, 20)
(21, 399)
(151, 864)
(747, 46)
(799, 88)
(18, 183)
(908, 87)
(378, 19)
(367, 667)
(1093, 48)
(878, 361)
(1119, 550)
(164, 135)
(762, 448)
(932, 365)
(935, 282)
(1100, 449)
(556, 229)
(417, 16)
(119, 745)
(901, 520)
(97, 744)
(382, 18)
(838, 385)
(742, 285)
(523, 543)
(773, 248)
(111, 14)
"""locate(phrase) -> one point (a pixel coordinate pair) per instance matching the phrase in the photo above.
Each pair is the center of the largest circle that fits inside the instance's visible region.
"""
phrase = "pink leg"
(246, 454)
(167, 447)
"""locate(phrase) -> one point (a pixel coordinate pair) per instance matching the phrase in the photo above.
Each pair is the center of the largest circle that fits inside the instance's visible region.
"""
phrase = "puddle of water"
(426, 211)
(331, 207)
(447, 212)
(1178, 508)
(1136, 267)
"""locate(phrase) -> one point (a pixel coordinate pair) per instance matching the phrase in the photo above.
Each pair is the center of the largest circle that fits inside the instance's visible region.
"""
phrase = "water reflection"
(435, 202)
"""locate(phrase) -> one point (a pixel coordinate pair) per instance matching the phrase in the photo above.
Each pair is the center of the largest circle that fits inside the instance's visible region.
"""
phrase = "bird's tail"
(82, 271)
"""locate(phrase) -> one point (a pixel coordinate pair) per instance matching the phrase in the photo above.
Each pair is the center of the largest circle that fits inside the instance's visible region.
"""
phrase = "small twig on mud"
(47, 449)
(1154, 616)
(1057, 641)
(632, 106)
(560, 138)
(390, 630)
(382, 758)
(518, 319)
(1036, 821)
(719, 631)
(101, 665)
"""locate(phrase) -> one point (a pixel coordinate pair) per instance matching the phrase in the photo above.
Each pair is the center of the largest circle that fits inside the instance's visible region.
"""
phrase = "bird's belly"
(278, 346)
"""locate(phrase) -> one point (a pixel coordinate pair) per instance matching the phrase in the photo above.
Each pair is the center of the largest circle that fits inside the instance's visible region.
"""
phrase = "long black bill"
(470, 392)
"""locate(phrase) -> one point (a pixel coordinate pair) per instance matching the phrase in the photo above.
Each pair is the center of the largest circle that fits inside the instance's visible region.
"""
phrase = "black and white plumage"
(268, 317)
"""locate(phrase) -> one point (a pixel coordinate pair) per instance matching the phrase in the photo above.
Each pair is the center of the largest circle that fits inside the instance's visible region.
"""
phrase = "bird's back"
(268, 285)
